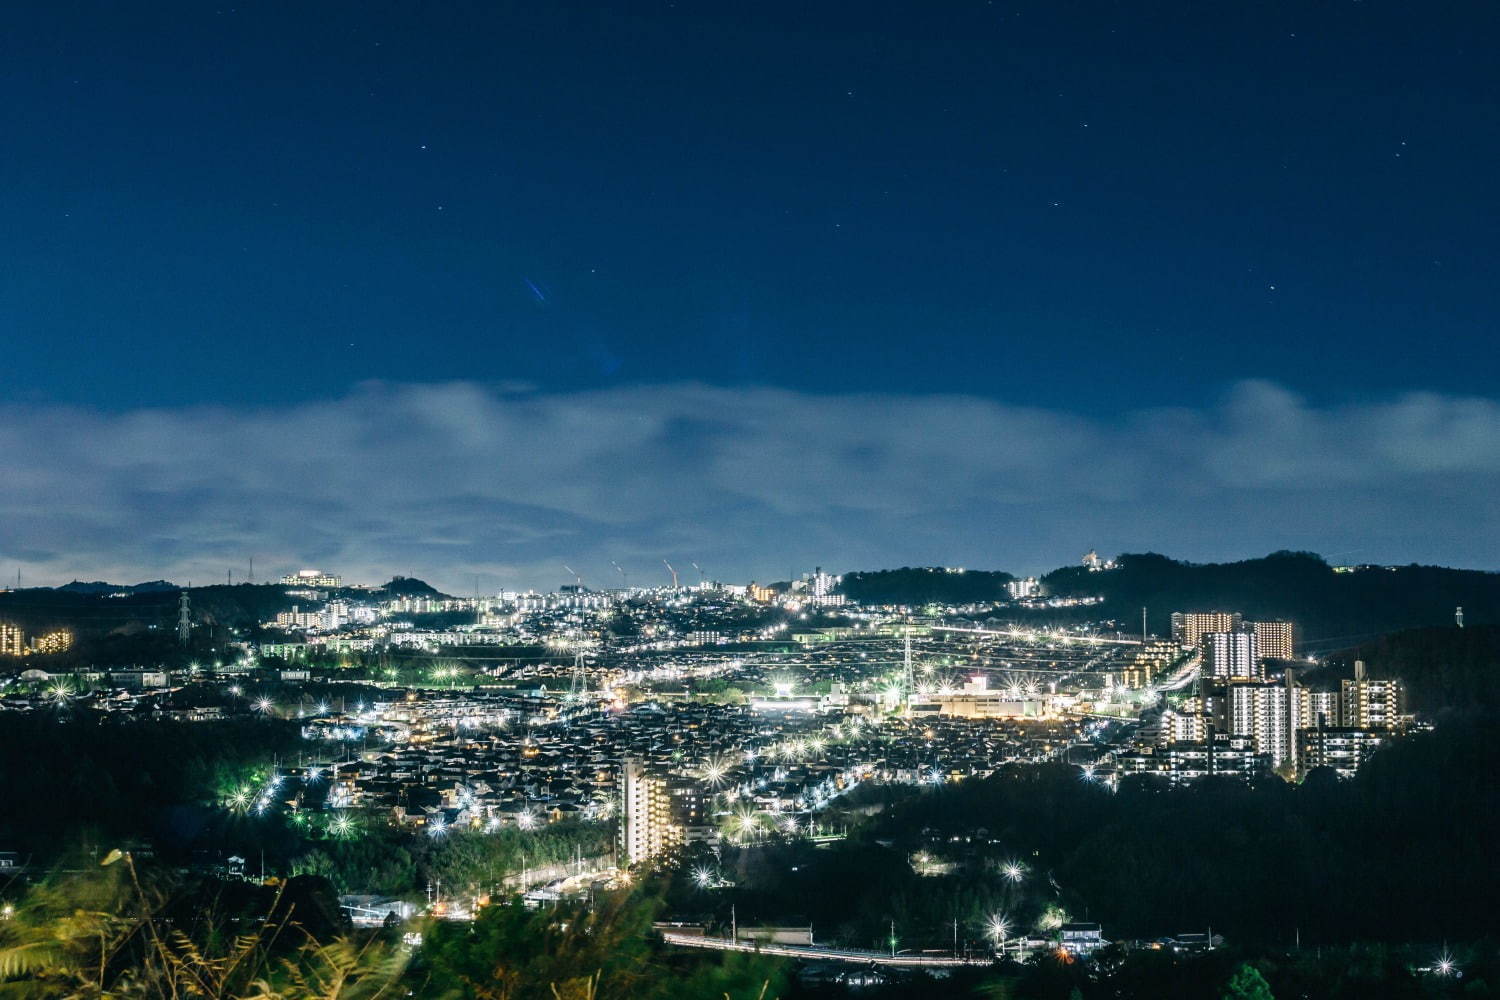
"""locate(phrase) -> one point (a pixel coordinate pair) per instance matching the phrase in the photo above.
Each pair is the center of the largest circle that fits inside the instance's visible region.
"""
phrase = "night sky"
(464, 290)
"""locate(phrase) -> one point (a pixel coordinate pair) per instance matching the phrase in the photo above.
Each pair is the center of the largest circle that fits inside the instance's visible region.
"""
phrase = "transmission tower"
(908, 677)
(184, 624)
(578, 685)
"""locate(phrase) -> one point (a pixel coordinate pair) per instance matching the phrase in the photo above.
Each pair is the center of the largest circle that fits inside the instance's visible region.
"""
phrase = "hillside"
(408, 586)
(101, 587)
(924, 585)
(1328, 606)
(1443, 668)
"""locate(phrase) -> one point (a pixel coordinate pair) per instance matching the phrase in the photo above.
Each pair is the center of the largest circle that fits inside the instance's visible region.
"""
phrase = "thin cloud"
(456, 480)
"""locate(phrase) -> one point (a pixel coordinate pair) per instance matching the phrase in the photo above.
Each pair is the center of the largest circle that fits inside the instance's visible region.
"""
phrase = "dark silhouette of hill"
(1330, 608)
(1443, 668)
(92, 609)
(925, 585)
(1327, 606)
(100, 587)
(409, 586)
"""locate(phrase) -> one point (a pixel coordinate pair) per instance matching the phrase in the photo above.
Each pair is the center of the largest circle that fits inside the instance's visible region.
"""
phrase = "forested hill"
(92, 610)
(925, 585)
(1331, 609)
(1443, 668)
(1300, 586)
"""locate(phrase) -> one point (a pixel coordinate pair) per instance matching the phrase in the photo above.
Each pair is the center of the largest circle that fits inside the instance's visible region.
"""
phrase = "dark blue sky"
(1075, 205)
(478, 289)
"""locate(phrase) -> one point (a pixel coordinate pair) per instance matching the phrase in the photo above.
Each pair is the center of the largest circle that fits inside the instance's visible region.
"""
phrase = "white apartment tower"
(1230, 654)
(1264, 713)
(646, 827)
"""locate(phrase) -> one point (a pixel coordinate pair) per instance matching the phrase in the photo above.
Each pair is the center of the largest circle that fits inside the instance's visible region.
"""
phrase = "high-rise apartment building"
(646, 815)
(12, 642)
(59, 641)
(1264, 713)
(1318, 708)
(1368, 703)
(1272, 715)
(1183, 727)
(1231, 654)
(1189, 627)
(1273, 639)
(1345, 749)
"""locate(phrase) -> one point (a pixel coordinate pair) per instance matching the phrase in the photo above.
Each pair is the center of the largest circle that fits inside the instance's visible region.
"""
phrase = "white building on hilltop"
(311, 578)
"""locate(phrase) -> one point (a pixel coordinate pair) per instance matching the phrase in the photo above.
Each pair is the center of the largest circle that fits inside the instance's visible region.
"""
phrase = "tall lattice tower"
(908, 674)
(184, 623)
(578, 684)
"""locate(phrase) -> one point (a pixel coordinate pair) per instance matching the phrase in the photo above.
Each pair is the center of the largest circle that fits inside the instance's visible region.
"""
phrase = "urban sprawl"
(719, 714)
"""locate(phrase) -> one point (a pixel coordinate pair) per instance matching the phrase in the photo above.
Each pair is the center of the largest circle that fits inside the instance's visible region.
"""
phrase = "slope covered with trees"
(1300, 586)
(925, 585)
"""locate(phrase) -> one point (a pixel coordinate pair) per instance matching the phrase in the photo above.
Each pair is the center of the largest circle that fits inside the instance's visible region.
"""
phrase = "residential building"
(1018, 589)
(1264, 713)
(1150, 659)
(1231, 654)
(646, 827)
(59, 641)
(12, 641)
(1318, 708)
(1183, 727)
(1368, 703)
(1189, 627)
(1081, 939)
(1343, 748)
(311, 578)
(1273, 640)
(1272, 715)
(1222, 755)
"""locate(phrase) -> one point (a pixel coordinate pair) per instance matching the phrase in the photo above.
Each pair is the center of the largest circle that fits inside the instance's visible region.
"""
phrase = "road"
(822, 954)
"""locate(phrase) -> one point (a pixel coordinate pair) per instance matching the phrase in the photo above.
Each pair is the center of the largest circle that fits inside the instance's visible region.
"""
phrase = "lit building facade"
(59, 641)
(1264, 713)
(12, 642)
(1189, 627)
(1183, 727)
(1368, 703)
(1343, 748)
(1231, 654)
(1149, 660)
(646, 827)
(311, 578)
(1273, 640)
(1223, 755)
